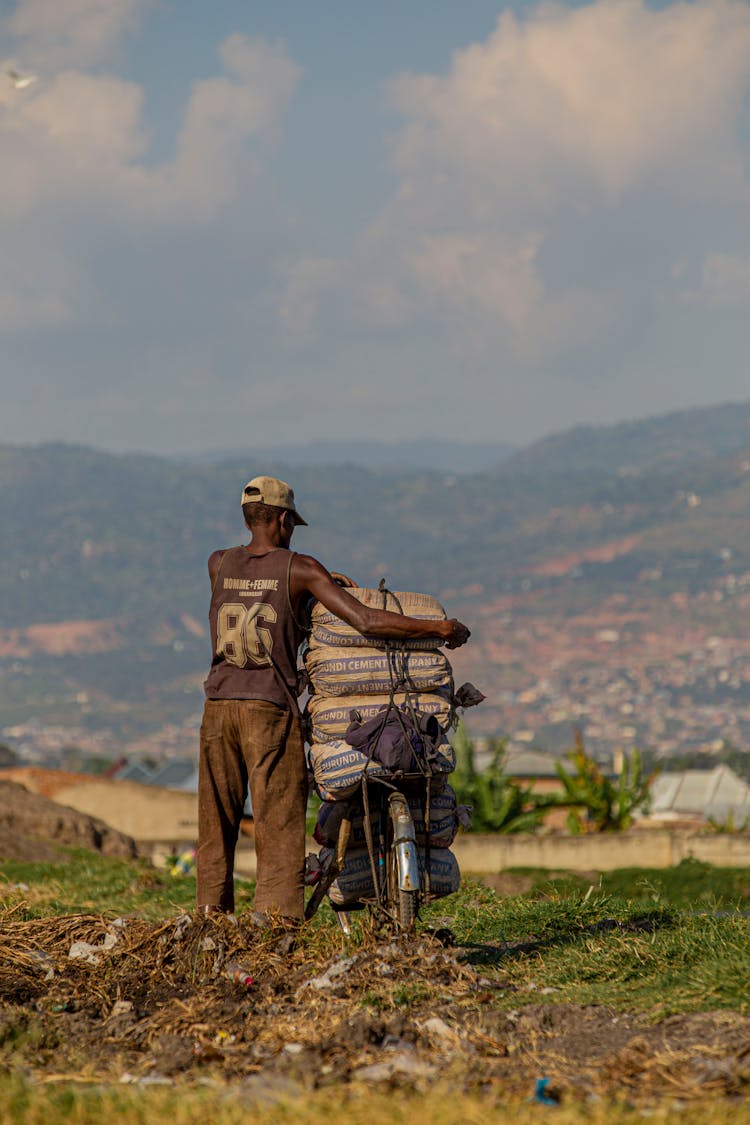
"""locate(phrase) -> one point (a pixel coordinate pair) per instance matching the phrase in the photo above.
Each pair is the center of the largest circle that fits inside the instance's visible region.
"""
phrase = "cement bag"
(327, 629)
(337, 769)
(370, 671)
(445, 874)
(443, 821)
(443, 818)
(331, 715)
(354, 882)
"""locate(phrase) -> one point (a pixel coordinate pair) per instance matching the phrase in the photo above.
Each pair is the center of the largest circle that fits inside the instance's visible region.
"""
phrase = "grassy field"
(630, 959)
(357, 1107)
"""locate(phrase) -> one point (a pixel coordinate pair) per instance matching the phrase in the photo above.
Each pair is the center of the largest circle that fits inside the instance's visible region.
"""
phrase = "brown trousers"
(250, 740)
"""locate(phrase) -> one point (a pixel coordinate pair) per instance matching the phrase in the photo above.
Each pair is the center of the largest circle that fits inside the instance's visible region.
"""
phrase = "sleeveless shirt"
(253, 627)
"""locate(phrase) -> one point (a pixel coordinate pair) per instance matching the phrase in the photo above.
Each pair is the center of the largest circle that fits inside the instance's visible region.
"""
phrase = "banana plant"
(599, 803)
(499, 804)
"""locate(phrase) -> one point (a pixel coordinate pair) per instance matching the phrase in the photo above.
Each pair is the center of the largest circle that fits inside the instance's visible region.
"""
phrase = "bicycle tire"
(403, 906)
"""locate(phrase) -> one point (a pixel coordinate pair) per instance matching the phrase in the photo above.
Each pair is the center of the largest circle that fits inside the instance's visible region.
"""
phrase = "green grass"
(89, 883)
(24, 1104)
(635, 940)
(690, 885)
(690, 965)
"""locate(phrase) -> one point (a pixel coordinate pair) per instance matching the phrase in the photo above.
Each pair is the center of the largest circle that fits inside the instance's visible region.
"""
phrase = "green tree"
(499, 804)
(600, 803)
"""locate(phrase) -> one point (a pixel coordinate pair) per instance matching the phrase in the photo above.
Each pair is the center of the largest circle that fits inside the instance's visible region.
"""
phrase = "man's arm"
(309, 577)
(214, 562)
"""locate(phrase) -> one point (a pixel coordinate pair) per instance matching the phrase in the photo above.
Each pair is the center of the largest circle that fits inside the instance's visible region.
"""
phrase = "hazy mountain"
(90, 534)
(664, 441)
(104, 591)
(421, 454)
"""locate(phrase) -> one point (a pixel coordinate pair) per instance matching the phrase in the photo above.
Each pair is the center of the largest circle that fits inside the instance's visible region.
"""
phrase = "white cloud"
(51, 34)
(480, 271)
(81, 137)
(562, 192)
(19, 310)
(77, 169)
(305, 281)
(594, 98)
(609, 119)
(73, 142)
(224, 113)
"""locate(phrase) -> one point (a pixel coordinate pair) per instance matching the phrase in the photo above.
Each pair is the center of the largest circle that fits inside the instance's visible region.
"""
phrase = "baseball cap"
(269, 490)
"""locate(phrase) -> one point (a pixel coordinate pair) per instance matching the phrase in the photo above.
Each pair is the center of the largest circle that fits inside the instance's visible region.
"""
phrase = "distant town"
(604, 573)
(636, 673)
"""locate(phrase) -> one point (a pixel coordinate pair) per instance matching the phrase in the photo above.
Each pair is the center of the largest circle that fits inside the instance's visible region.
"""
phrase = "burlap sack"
(331, 715)
(443, 821)
(327, 629)
(371, 671)
(355, 880)
(337, 769)
(443, 818)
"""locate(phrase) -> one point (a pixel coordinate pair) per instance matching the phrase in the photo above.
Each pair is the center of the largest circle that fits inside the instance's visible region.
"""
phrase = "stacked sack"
(349, 671)
(355, 881)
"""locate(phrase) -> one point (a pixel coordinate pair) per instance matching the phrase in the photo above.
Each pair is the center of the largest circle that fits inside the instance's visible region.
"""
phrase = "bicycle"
(399, 861)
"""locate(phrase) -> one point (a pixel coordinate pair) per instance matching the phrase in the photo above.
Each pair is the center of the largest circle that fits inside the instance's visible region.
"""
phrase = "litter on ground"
(155, 1003)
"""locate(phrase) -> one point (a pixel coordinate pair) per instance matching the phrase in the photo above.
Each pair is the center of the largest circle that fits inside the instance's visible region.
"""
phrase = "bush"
(600, 803)
(499, 804)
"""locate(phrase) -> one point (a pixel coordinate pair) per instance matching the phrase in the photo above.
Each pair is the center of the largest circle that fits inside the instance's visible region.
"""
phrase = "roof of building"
(134, 771)
(45, 782)
(717, 794)
(177, 773)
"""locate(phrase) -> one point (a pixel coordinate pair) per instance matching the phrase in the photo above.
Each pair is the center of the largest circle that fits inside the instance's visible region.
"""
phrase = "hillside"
(415, 454)
(680, 438)
(104, 590)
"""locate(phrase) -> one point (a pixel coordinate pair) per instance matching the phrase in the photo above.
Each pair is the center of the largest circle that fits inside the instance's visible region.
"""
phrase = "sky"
(243, 223)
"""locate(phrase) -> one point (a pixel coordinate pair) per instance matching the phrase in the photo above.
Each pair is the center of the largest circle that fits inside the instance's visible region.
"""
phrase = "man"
(251, 728)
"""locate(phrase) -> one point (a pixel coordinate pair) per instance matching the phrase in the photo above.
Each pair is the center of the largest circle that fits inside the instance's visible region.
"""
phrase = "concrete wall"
(144, 812)
(161, 818)
(482, 855)
(488, 855)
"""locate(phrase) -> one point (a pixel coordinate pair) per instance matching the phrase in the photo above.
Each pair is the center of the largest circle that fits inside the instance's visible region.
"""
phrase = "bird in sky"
(21, 81)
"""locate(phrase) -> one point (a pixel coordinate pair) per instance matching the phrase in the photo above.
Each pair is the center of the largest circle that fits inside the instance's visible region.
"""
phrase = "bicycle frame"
(393, 851)
(404, 843)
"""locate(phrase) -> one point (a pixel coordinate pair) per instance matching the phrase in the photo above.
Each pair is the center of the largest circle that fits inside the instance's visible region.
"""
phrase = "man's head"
(267, 501)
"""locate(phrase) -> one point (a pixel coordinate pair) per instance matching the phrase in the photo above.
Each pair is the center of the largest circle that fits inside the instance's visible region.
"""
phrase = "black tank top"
(252, 621)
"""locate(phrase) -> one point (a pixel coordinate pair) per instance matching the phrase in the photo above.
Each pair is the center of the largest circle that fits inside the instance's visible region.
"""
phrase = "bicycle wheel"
(403, 905)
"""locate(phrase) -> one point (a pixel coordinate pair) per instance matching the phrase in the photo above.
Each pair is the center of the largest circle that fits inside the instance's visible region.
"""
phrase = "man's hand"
(342, 580)
(456, 634)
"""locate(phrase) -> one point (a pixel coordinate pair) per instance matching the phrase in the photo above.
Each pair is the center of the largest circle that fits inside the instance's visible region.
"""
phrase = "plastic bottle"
(239, 975)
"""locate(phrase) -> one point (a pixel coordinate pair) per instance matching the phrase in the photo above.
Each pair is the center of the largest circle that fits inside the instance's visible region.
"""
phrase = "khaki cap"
(269, 490)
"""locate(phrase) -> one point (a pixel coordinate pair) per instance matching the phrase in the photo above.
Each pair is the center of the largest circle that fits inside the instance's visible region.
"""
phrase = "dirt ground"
(146, 1002)
(32, 827)
(141, 812)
